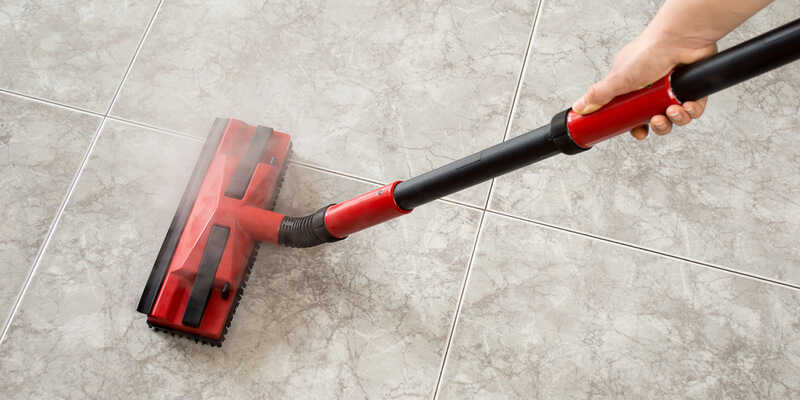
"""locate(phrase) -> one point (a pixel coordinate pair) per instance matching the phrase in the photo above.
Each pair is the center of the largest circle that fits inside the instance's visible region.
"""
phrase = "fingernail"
(591, 108)
(674, 115)
(578, 106)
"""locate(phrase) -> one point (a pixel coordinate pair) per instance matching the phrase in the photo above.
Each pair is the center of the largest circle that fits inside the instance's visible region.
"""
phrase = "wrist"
(673, 46)
(661, 43)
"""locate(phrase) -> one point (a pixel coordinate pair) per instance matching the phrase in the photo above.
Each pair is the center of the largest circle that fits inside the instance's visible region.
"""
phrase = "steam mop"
(226, 211)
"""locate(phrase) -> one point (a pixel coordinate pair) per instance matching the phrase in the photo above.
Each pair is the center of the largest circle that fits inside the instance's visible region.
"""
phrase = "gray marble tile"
(367, 317)
(71, 53)
(722, 190)
(383, 90)
(41, 147)
(553, 315)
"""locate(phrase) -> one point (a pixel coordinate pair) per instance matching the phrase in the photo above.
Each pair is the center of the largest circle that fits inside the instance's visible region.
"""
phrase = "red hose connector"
(369, 209)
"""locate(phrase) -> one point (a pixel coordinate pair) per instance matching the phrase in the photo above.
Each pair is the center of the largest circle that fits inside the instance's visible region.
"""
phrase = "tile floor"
(664, 269)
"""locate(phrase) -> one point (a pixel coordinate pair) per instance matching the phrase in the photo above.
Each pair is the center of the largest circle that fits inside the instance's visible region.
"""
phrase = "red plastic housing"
(248, 224)
(369, 209)
(621, 114)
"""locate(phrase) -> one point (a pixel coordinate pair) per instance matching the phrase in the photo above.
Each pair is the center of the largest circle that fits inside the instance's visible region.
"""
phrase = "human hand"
(643, 61)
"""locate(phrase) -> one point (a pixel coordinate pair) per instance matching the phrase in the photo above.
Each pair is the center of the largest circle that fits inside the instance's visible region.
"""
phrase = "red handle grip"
(621, 114)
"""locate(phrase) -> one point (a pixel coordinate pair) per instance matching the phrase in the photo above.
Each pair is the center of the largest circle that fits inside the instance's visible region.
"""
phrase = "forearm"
(699, 23)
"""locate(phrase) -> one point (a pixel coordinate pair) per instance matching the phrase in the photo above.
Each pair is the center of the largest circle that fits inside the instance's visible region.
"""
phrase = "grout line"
(521, 78)
(334, 172)
(573, 231)
(194, 138)
(374, 182)
(459, 305)
(746, 275)
(518, 89)
(53, 103)
(461, 203)
(135, 55)
(50, 231)
(73, 185)
(509, 120)
(157, 129)
(84, 111)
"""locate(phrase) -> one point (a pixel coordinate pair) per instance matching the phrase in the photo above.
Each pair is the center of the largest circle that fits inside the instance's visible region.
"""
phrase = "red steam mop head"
(201, 270)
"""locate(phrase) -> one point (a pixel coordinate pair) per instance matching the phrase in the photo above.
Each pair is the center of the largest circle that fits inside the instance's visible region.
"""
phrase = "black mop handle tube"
(739, 63)
(512, 154)
(570, 134)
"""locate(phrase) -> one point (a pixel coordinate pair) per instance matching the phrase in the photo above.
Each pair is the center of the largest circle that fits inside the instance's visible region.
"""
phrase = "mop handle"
(690, 82)
(572, 133)
(567, 133)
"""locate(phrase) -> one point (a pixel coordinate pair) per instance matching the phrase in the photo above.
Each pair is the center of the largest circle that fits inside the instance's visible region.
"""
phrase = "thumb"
(601, 93)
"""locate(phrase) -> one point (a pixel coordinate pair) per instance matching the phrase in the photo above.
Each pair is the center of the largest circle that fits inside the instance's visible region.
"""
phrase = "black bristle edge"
(240, 292)
(281, 176)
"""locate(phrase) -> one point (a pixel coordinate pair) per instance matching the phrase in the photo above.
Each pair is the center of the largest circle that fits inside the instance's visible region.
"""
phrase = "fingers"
(695, 108)
(678, 115)
(591, 101)
(640, 132)
(660, 125)
(601, 93)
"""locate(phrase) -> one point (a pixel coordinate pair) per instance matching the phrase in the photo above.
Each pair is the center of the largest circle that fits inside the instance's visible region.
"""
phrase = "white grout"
(53, 103)
(125, 121)
(523, 70)
(71, 189)
(609, 240)
(459, 305)
(509, 120)
(334, 172)
(461, 204)
(732, 271)
(373, 182)
(166, 131)
(133, 59)
(517, 90)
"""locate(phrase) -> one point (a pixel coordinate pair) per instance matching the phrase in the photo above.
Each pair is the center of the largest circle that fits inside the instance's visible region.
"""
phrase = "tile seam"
(518, 89)
(156, 129)
(48, 102)
(633, 246)
(75, 179)
(459, 305)
(468, 273)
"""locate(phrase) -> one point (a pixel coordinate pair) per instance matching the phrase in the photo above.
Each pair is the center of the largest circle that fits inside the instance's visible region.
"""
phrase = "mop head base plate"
(200, 272)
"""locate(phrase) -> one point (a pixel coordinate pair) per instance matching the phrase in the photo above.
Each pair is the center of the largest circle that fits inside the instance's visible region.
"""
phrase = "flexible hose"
(307, 231)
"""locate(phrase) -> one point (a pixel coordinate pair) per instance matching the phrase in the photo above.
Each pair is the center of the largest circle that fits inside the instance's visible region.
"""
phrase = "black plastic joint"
(305, 231)
(559, 134)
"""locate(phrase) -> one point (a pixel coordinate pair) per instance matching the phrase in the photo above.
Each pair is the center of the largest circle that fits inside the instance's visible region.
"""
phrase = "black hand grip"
(739, 63)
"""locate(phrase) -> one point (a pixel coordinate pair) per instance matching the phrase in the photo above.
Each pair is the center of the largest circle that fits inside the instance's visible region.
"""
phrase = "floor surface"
(663, 269)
